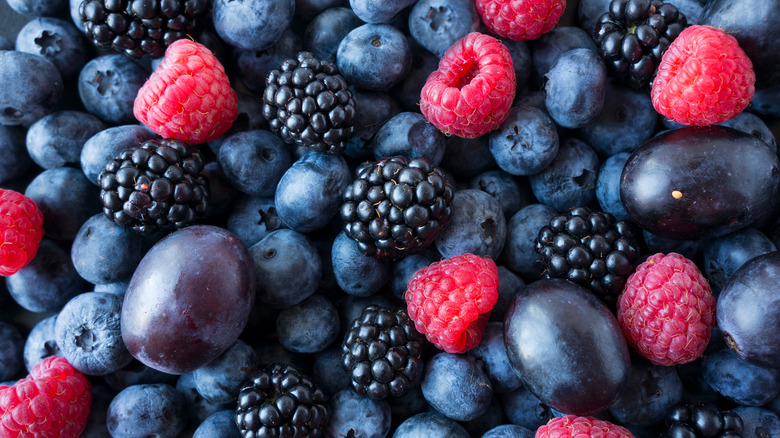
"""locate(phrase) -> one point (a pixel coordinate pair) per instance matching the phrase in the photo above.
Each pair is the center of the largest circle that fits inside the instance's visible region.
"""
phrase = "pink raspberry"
(21, 225)
(188, 97)
(704, 78)
(572, 426)
(450, 301)
(472, 91)
(520, 19)
(667, 310)
(53, 401)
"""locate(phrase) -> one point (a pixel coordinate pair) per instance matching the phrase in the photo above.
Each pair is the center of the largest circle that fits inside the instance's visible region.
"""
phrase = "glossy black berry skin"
(141, 28)
(701, 421)
(633, 36)
(589, 248)
(280, 401)
(396, 206)
(307, 103)
(158, 185)
(381, 351)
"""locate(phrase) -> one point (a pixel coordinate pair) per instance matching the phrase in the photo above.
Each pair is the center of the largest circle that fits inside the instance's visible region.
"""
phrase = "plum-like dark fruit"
(189, 299)
(566, 346)
(699, 182)
(748, 311)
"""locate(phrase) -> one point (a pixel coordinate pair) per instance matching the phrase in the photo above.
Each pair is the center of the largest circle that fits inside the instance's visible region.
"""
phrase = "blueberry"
(102, 147)
(108, 86)
(627, 120)
(559, 40)
(254, 161)
(430, 424)
(136, 373)
(525, 409)
(37, 8)
(251, 24)
(220, 380)
(691, 249)
(477, 226)
(401, 271)
(118, 288)
(589, 11)
(505, 188)
(48, 282)
(5, 43)
(491, 352)
(147, 410)
(32, 87)
(219, 424)
(376, 108)
(326, 30)
(329, 372)
(437, 24)
(648, 395)
(526, 142)
(308, 327)
(753, 125)
(11, 351)
(570, 180)
(288, 268)
(409, 135)
(251, 219)
(509, 285)
(738, 380)
(378, 11)
(608, 185)
(456, 386)
(41, 343)
(249, 118)
(222, 195)
(724, 255)
(508, 431)
(105, 252)
(374, 56)
(309, 193)
(766, 102)
(492, 417)
(522, 229)
(253, 66)
(197, 407)
(363, 416)
(88, 334)
(521, 61)
(531, 98)
(65, 198)
(98, 412)
(56, 140)
(409, 404)
(356, 273)
(308, 9)
(692, 10)
(352, 306)
(423, 64)
(58, 41)
(758, 422)
(576, 88)
(467, 157)
(16, 160)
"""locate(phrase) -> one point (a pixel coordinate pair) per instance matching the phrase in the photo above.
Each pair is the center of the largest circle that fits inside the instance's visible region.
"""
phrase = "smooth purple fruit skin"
(699, 182)
(189, 299)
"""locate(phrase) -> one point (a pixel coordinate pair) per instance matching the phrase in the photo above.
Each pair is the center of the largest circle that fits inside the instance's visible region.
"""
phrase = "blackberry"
(701, 421)
(307, 103)
(157, 185)
(141, 28)
(634, 35)
(589, 248)
(381, 351)
(396, 206)
(280, 401)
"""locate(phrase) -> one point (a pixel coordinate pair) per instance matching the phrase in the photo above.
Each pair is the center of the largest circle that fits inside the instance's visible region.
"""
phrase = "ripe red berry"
(21, 225)
(571, 426)
(520, 19)
(472, 91)
(53, 401)
(704, 78)
(450, 301)
(188, 97)
(667, 310)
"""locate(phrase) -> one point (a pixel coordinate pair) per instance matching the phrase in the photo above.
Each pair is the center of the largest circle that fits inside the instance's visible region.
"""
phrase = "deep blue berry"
(220, 380)
(437, 24)
(58, 41)
(576, 88)
(477, 226)
(504, 187)
(423, 64)
(522, 229)
(351, 307)
(102, 147)
(608, 185)
(724, 255)
(467, 157)
(329, 372)
(219, 424)
(509, 285)
(525, 409)
(691, 249)
(430, 424)
(11, 349)
(197, 407)
(401, 271)
(356, 273)
(758, 422)
(253, 66)
(41, 343)
(376, 108)
(753, 125)
(136, 373)
(464, 401)
(251, 24)
(308, 327)
(508, 431)
(648, 394)
(570, 180)
(326, 30)
(491, 352)
(16, 161)
(521, 61)
(738, 380)
(378, 11)
(32, 87)
(409, 135)
(105, 252)
(308, 9)
(56, 140)
(251, 219)
(526, 142)
(363, 416)
(118, 288)
(147, 410)
(37, 7)
(288, 268)
(254, 161)
(108, 86)
(374, 56)
(554, 43)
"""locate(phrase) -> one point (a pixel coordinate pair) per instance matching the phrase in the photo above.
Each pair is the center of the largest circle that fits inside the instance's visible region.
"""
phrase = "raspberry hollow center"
(469, 71)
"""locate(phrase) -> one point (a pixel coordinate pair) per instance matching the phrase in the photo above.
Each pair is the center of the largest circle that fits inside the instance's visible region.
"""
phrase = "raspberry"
(667, 310)
(472, 91)
(704, 78)
(188, 97)
(571, 426)
(450, 301)
(53, 401)
(520, 20)
(21, 223)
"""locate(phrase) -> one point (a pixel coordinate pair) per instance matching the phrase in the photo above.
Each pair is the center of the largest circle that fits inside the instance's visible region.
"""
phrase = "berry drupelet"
(396, 206)
(280, 401)
(141, 28)
(701, 421)
(634, 35)
(589, 248)
(158, 185)
(307, 103)
(381, 351)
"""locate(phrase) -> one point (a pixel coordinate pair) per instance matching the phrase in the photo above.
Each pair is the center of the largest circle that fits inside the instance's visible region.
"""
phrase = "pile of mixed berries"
(390, 218)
